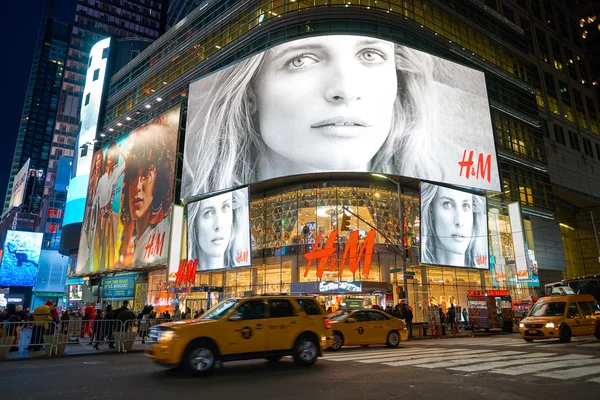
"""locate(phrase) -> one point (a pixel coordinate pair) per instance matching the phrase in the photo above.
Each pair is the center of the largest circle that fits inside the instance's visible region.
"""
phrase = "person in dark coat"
(97, 330)
(108, 325)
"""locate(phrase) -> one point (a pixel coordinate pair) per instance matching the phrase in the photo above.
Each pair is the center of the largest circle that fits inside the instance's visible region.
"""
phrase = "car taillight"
(327, 323)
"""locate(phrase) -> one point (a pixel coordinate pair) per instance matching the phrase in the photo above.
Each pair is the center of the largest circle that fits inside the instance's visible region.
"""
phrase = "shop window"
(281, 308)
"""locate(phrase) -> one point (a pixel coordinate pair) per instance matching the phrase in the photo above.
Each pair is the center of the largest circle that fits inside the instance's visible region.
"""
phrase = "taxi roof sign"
(562, 291)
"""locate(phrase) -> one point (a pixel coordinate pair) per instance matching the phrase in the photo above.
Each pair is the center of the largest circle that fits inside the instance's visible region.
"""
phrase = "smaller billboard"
(219, 231)
(119, 287)
(18, 189)
(518, 237)
(453, 227)
(20, 258)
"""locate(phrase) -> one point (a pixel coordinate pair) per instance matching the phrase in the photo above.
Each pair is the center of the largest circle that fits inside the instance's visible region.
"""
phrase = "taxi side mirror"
(350, 320)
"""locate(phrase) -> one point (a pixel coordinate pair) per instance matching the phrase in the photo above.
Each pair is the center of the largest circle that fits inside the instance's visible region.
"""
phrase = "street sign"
(395, 270)
(410, 273)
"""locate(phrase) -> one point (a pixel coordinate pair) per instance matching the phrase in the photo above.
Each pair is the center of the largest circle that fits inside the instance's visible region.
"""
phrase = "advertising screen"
(219, 231)
(52, 273)
(453, 227)
(339, 103)
(18, 189)
(128, 204)
(20, 258)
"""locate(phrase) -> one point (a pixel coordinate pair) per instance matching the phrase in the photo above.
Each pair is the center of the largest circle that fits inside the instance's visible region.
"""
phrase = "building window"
(87, 99)
(105, 53)
(587, 147)
(574, 141)
(96, 74)
(559, 135)
(598, 151)
(90, 62)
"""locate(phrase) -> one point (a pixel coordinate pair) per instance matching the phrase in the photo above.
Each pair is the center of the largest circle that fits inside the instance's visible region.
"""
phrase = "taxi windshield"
(548, 309)
(220, 309)
(338, 315)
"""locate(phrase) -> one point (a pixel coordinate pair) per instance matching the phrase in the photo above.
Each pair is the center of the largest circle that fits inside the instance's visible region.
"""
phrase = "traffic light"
(345, 224)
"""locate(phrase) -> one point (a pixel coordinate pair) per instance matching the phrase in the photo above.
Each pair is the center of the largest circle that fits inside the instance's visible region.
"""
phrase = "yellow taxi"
(562, 316)
(246, 328)
(364, 327)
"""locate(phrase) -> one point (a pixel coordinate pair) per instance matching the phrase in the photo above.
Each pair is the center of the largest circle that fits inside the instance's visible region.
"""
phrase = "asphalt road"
(465, 368)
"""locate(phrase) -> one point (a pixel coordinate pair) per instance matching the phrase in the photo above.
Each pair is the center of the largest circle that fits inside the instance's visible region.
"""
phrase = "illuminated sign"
(476, 293)
(20, 258)
(18, 189)
(118, 286)
(411, 114)
(340, 287)
(353, 252)
(186, 274)
(516, 226)
(498, 293)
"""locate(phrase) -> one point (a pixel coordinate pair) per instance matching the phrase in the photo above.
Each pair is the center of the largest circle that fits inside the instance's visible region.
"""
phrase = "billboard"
(90, 110)
(219, 231)
(20, 258)
(339, 103)
(18, 189)
(127, 214)
(453, 227)
(52, 273)
(518, 238)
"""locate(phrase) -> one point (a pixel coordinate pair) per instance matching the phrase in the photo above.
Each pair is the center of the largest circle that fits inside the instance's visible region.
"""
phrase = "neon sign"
(353, 252)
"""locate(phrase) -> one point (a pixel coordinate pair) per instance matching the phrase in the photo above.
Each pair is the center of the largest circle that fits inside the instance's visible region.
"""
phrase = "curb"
(46, 357)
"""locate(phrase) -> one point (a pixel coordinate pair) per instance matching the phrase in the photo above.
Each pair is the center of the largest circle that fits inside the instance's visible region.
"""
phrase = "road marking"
(436, 360)
(573, 372)
(524, 359)
(597, 380)
(466, 359)
(574, 360)
(389, 353)
(440, 355)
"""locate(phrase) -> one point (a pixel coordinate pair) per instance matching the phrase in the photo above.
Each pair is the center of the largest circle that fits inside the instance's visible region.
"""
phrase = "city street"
(496, 367)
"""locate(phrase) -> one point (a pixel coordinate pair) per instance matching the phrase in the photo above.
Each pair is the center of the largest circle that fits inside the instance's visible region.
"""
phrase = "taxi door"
(284, 324)
(246, 330)
(380, 325)
(358, 329)
(588, 320)
(575, 321)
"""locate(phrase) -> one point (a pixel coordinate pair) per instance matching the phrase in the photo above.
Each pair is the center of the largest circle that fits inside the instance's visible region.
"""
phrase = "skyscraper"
(178, 9)
(41, 101)
(93, 21)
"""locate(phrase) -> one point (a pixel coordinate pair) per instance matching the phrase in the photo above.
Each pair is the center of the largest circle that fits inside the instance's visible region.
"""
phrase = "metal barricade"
(135, 332)
(27, 335)
(81, 332)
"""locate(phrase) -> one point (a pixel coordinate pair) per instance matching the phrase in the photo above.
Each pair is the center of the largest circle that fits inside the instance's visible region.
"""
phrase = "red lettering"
(481, 260)
(365, 249)
(186, 272)
(321, 255)
(480, 170)
(485, 167)
(242, 257)
(155, 248)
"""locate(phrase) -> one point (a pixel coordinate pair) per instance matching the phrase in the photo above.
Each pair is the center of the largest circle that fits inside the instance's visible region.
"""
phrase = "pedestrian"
(108, 325)
(407, 315)
(98, 333)
(196, 314)
(64, 322)
(166, 315)
(442, 321)
(12, 329)
(177, 314)
(452, 318)
(124, 307)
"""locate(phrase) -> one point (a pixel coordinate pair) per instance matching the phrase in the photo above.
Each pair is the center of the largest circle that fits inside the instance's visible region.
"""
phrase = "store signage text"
(480, 169)
(353, 252)
(340, 287)
(186, 272)
(155, 245)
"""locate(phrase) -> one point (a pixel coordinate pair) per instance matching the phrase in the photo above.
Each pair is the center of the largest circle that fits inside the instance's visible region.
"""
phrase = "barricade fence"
(54, 337)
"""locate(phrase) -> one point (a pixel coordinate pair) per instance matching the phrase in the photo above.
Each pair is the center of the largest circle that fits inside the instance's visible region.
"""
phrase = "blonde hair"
(430, 242)
(223, 144)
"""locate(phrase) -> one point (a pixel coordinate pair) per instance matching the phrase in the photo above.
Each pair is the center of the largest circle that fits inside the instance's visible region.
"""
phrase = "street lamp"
(401, 226)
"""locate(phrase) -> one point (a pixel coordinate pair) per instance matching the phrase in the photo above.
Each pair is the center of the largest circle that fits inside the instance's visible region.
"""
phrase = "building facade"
(543, 113)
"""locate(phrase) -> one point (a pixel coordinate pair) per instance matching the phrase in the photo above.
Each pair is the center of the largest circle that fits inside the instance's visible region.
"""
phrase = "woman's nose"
(458, 221)
(343, 85)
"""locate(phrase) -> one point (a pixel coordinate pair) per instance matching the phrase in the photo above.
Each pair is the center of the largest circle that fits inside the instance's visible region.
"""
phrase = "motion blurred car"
(562, 316)
(267, 327)
(366, 327)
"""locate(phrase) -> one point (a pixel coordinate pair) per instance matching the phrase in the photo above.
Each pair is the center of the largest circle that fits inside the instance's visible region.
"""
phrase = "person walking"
(98, 333)
(108, 325)
(407, 315)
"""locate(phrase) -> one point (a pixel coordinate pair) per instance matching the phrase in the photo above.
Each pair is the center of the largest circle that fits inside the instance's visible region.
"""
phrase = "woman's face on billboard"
(327, 102)
(215, 219)
(141, 192)
(453, 219)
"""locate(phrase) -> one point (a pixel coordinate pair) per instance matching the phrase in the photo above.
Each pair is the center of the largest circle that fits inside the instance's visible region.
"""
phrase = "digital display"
(218, 231)
(128, 204)
(18, 189)
(453, 227)
(339, 103)
(20, 258)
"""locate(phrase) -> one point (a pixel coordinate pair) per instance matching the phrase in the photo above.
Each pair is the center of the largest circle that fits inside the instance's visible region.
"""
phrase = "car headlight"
(521, 325)
(550, 325)
(165, 336)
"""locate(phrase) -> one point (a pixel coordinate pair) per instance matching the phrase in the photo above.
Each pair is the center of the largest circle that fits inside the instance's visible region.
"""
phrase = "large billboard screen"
(453, 227)
(219, 231)
(20, 258)
(18, 188)
(127, 212)
(339, 103)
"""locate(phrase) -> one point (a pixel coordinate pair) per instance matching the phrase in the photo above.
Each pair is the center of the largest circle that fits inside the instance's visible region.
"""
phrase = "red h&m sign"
(186, 272)
(353, 252)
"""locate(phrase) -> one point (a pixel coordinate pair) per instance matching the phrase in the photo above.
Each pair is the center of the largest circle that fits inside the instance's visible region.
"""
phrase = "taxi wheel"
(565, 334)
(199, 358)
(338, 341)
(393, 339)
(306, 350)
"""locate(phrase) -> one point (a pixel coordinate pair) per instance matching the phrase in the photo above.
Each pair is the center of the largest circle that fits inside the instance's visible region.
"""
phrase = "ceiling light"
(148, 106)
(159, 99)
(128, 118)
(111, 129)
(102, 135)
(119, 124)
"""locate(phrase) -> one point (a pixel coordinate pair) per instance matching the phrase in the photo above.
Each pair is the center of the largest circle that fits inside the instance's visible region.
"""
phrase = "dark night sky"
(19, 24)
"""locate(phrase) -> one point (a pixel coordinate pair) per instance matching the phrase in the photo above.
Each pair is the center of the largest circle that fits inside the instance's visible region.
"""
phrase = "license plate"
(532, 331)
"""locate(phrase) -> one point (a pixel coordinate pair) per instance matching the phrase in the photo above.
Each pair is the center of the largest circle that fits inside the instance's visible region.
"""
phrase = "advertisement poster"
(118, 287)
(18, 189)
(453, 227)
(20, 258)
(219, 231)
(141, 292)
(339, 103)
(128, 206)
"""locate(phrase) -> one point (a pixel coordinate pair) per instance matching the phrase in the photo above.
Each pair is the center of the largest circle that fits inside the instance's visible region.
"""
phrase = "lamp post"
(401, 226)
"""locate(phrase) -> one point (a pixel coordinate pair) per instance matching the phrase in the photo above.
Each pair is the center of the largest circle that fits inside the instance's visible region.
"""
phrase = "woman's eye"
(372, 56)
(301, 61)
(466, 207)
(208, 214)
(226, 207)
(448, 205)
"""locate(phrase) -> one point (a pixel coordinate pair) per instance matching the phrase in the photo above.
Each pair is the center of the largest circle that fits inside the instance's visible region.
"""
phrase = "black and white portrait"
(339, 103)
(219, 231)
(453, 227)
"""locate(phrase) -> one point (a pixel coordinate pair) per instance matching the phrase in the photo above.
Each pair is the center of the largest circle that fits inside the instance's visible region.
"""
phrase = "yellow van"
(562, 316)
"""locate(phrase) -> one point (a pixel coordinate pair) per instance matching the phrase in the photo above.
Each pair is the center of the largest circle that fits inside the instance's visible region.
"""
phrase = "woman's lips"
(136, 202)
(218, 240)
(341, 126)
